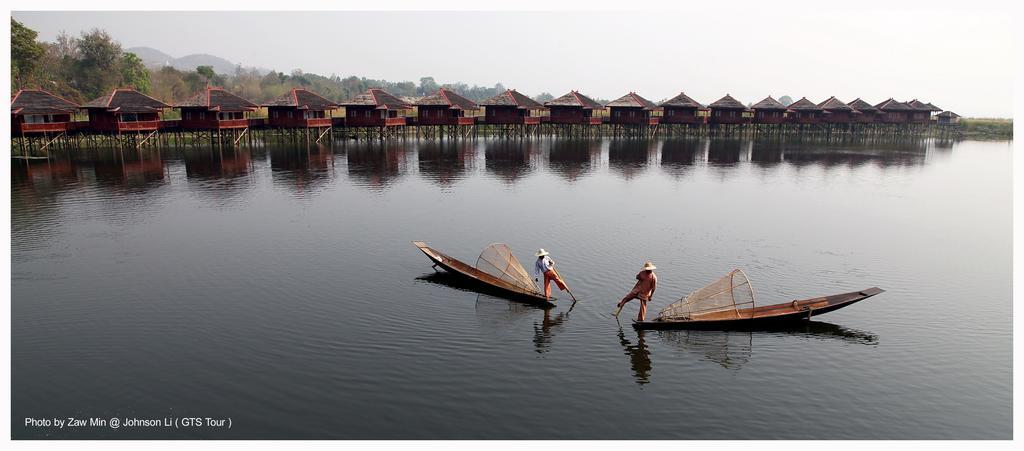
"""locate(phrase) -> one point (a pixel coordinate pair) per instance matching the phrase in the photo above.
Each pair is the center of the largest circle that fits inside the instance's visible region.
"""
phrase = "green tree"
(207, 72)
(544, 97)
(427, 86)
(97, 67)
(786, 100)
(134, 73)
(25, 53)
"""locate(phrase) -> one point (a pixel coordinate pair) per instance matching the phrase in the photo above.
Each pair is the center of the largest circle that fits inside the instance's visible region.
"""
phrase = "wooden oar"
(566, 285)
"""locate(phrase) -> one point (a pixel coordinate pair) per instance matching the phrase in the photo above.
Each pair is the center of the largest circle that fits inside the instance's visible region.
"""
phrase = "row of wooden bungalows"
(127, 110)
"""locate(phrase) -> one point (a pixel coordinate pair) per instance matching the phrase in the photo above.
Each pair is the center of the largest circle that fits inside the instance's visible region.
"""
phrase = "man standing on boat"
(646, 283)
(546, 267)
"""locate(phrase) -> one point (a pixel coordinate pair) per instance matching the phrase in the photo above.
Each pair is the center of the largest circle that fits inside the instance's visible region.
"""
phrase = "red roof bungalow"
(893, 112)
(769, 111)
(445, 108)
(38, 111)
(631, 109)
(863, 112)
(124, 110)
(574, 108)
(299, 108)
(727, 110)
(511, 107)
(835, 111)
(215, 109)
(681, 109)
(375, 108)
(804, 111)
(921, 113)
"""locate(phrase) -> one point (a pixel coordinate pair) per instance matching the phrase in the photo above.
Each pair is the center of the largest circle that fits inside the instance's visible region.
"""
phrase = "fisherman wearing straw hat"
(546, 267)
(646, 283)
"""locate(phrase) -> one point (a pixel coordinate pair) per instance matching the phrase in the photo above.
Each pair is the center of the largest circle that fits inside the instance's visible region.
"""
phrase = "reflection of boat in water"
(732, 349)
(729, 303)
(497, 311)
(497, 271)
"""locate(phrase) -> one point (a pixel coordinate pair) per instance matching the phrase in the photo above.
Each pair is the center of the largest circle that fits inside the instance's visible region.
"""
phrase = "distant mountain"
(153, 57)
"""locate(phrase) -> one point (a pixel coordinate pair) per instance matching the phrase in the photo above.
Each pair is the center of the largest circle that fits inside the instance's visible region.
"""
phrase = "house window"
(129, 117)
(671, 112)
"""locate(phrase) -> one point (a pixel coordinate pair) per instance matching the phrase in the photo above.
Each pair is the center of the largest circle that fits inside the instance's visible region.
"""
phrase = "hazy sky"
(961, 60)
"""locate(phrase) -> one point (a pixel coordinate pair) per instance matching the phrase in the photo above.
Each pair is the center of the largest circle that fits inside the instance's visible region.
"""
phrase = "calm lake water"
(278, 287)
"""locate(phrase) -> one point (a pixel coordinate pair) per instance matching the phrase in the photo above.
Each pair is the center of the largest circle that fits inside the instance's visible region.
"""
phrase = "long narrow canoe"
(482, 279)
(764, 315)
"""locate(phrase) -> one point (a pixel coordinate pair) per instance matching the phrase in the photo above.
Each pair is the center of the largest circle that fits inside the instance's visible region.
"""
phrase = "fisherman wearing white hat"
(546, 267)
(646, 283)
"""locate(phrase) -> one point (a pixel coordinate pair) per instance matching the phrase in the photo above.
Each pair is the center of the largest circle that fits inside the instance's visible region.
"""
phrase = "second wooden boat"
(728, 303)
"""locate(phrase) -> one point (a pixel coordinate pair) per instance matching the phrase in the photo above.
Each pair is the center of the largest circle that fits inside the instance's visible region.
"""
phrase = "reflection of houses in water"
(767, 152)
(678, 156)
(303, 168)
(943, 144)
(630, 157)
(44, 173)
(726, 152)
(35, 185)
(882, 152)
(131, 168)
(509, 159)
(214, 164)
(639, 356)
(218, 173)
(446, 161)
(574, 158)
(376, 165)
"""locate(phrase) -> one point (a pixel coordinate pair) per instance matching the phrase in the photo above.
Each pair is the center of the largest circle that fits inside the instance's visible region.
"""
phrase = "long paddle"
(566, 286)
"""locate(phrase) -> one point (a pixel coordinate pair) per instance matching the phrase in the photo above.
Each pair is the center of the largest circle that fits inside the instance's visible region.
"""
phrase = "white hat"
(542, 252)
(649, 266)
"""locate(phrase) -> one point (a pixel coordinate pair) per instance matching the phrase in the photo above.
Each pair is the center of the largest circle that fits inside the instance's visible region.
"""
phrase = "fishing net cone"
(498, 261)
(724, 298)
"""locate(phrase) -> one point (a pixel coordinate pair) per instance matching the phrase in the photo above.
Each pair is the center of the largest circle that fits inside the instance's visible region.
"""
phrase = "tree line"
(87, 66)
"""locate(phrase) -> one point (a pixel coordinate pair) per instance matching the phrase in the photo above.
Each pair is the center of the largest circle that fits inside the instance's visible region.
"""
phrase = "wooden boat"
(763, 315)
(505, 287)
